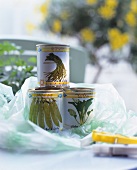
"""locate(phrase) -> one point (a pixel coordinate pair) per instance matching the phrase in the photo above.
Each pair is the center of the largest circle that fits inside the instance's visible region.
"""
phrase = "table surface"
(68, 160)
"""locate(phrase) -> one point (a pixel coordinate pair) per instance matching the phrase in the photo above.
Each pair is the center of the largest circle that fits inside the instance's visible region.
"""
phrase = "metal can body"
(78, 106)
(45, 108)
(53, 65)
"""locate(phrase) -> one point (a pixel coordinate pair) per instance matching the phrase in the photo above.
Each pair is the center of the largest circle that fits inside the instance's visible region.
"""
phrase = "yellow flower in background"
(91, 2)
(87, 35)
(57, 26)
(106, 12)
(133, 6)
(30, 27)
(111, 3)
(44, 9)
(65, 15)
(117, 39)
(131, 19)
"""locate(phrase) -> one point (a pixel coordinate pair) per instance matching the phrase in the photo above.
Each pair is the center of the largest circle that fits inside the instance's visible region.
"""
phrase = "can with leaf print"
(45, 107)
(78, 106)
(53, 65)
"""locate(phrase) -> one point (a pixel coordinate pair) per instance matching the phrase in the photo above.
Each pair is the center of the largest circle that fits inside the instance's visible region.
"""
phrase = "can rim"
(80, 89)
(50, 45)
(46, 90)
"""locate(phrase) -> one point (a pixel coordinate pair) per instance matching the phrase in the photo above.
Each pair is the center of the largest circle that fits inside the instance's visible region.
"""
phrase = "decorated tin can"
(53, 65)
(78, 106)
(45, 108)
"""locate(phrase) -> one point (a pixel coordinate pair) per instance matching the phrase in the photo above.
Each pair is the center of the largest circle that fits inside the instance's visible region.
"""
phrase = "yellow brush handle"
(112, 138)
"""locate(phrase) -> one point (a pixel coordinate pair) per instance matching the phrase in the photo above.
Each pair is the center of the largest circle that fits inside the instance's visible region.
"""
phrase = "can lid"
(79, 90)
(50, 45)
(46, 90)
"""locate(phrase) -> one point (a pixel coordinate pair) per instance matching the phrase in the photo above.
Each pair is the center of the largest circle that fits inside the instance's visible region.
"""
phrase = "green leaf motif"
(82, 108)
(88, 113)
(72, 113)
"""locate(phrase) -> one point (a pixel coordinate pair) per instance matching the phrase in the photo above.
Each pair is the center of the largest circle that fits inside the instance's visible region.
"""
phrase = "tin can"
(53, 65)
(78, 106)
(45, 107)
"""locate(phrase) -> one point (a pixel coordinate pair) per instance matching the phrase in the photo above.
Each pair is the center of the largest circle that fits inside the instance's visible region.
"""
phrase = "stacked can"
(45, 102)
(45, 108)
(78, 106)
(54, 105)
(53, 65)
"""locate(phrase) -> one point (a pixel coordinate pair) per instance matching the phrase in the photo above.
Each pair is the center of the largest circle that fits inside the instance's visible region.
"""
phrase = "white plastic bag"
(19, 134)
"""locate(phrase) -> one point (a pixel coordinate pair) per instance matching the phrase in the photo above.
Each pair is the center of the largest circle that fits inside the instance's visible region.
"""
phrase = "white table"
(69, 160)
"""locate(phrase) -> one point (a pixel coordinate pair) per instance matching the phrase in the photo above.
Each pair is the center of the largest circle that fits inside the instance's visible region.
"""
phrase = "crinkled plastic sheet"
(17, 133)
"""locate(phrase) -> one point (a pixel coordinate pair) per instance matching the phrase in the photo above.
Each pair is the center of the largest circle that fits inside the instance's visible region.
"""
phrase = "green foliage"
(32, 60)
(97, 24)
(81, 15)
(133, 57)
(18, 68)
